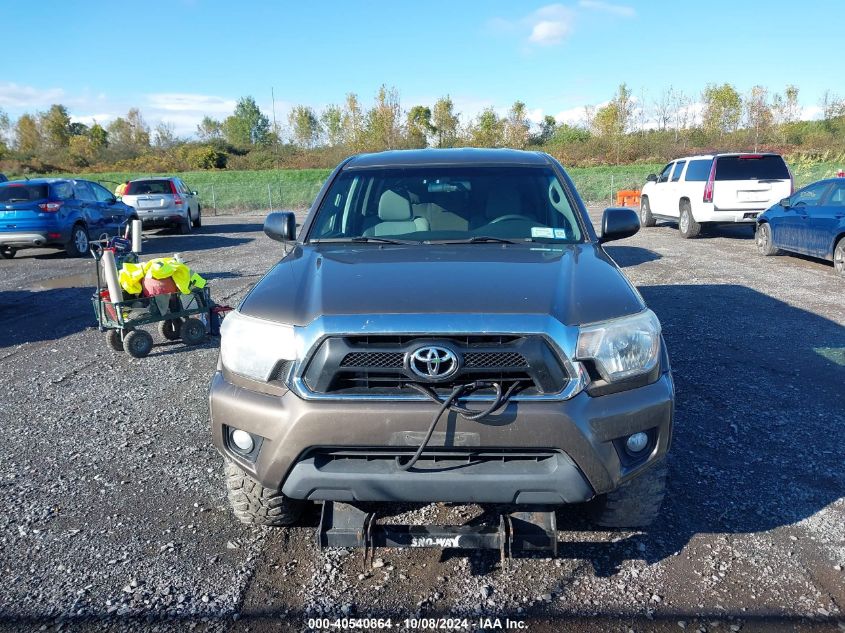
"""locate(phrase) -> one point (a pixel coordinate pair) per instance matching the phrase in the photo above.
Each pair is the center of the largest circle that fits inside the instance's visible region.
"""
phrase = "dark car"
(57, 212)
(3, 178)
(811, 222)
(467, 284)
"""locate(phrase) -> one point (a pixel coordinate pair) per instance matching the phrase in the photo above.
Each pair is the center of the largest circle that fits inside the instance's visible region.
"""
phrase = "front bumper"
(583, 434)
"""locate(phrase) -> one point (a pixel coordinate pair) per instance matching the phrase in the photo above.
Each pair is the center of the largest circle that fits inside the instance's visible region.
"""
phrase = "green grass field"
(237, 191)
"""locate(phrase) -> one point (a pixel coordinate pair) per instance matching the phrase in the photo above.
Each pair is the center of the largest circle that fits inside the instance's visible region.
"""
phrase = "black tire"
(192, 331)
(138, 343)
(646, 219)
(687, 226)
(198, 221)
(763, 239)
(634, 504)
(254, 504)
(114, 341)
(185, 225)
(78, 244)
(839, 256)
(171, 329)
(7, 252)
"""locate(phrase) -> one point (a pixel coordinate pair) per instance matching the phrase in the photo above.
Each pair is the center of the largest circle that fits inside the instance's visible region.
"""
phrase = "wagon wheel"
(192, 331)
(138, 343)
(114, 341)
(170, 329)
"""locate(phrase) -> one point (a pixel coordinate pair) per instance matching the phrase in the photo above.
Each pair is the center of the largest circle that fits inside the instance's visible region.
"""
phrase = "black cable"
(445, 404)
(449, 403)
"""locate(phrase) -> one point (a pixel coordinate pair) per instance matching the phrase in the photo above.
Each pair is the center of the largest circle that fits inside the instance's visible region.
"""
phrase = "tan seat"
(395, 217)
(439, 219)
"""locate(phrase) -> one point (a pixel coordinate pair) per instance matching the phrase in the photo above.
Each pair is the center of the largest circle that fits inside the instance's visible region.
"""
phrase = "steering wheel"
(512, 216)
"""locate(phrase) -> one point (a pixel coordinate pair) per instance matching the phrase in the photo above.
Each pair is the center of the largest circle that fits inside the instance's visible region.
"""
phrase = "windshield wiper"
(479, 239)
(361, 239)
(381, 240)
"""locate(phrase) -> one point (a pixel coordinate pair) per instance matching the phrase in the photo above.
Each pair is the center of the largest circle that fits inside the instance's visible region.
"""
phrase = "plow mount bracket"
(346, 525)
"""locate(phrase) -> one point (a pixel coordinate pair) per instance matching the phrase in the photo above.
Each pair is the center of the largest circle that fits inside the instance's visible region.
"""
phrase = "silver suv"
(164, 202)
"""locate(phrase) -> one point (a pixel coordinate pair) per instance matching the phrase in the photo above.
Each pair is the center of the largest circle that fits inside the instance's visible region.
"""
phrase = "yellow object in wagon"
(131, 275)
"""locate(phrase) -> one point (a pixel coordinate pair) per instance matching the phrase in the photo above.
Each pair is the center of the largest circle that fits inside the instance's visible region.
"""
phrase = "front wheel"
(763, 238)
(7, 252)
(78, 244)
(839, 256)
(646, 219)
(687, 225)
(634, 504)
(138, 343)
(254, 504)
(114, 341)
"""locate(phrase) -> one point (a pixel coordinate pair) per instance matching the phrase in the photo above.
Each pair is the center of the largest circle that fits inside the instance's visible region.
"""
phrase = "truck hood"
(576, 283)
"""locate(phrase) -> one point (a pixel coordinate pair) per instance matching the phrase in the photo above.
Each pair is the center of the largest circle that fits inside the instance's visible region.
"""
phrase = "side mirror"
(651, 178)
(785, 203)
(280, 226)
(618, 223)
(194, 193)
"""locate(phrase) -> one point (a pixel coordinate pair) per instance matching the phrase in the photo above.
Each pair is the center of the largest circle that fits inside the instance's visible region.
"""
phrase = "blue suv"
(57, 212)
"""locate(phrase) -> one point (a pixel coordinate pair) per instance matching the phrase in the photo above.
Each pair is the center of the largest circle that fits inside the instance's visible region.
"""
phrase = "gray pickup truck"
(446, 326)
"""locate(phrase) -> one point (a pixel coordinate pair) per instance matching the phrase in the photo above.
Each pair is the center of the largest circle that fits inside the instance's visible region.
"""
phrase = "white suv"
(714, 189)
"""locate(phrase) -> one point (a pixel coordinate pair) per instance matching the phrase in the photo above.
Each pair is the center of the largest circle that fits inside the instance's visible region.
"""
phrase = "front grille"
(494, 359)
(388, 360)
(376, 365)
(396, 360)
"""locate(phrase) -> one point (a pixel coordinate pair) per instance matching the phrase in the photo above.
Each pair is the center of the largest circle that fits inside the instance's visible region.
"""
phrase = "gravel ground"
(115, 516)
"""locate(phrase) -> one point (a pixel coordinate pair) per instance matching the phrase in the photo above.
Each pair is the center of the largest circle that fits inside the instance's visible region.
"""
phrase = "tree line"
(627, 128)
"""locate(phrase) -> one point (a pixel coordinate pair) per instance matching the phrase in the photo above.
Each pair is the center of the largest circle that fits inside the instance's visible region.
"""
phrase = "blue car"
(811, 222)
(57, 212)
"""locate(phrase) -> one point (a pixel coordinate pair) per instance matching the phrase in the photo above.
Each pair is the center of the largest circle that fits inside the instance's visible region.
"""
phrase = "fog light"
(636, 442)
(243, 441)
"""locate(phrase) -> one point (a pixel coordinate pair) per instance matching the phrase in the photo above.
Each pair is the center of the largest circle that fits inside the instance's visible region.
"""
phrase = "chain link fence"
(595, 185)
(223, 192)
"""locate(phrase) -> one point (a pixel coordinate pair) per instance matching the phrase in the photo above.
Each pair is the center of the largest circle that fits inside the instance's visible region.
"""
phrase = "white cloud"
(619, 10)
(811, 113)
(549, 32)
(571, 116)
(15, 96)
(535, 115)
(184, 102)
(547, 26)
(103, 118)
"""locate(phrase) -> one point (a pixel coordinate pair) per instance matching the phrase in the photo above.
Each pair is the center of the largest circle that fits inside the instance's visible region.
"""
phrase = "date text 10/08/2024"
(442, 624)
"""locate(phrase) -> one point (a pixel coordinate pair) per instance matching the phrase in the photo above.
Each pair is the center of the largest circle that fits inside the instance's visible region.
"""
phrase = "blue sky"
(181, 59)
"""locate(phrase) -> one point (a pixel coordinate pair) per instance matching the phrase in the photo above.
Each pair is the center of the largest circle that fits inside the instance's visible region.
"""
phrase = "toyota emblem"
(433, 363)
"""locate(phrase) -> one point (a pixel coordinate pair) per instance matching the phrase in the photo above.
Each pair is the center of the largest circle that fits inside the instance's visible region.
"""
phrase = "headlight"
(623, 347)
(252, 347)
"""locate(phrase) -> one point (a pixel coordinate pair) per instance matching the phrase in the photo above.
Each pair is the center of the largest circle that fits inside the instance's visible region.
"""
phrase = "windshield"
(447, 204)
